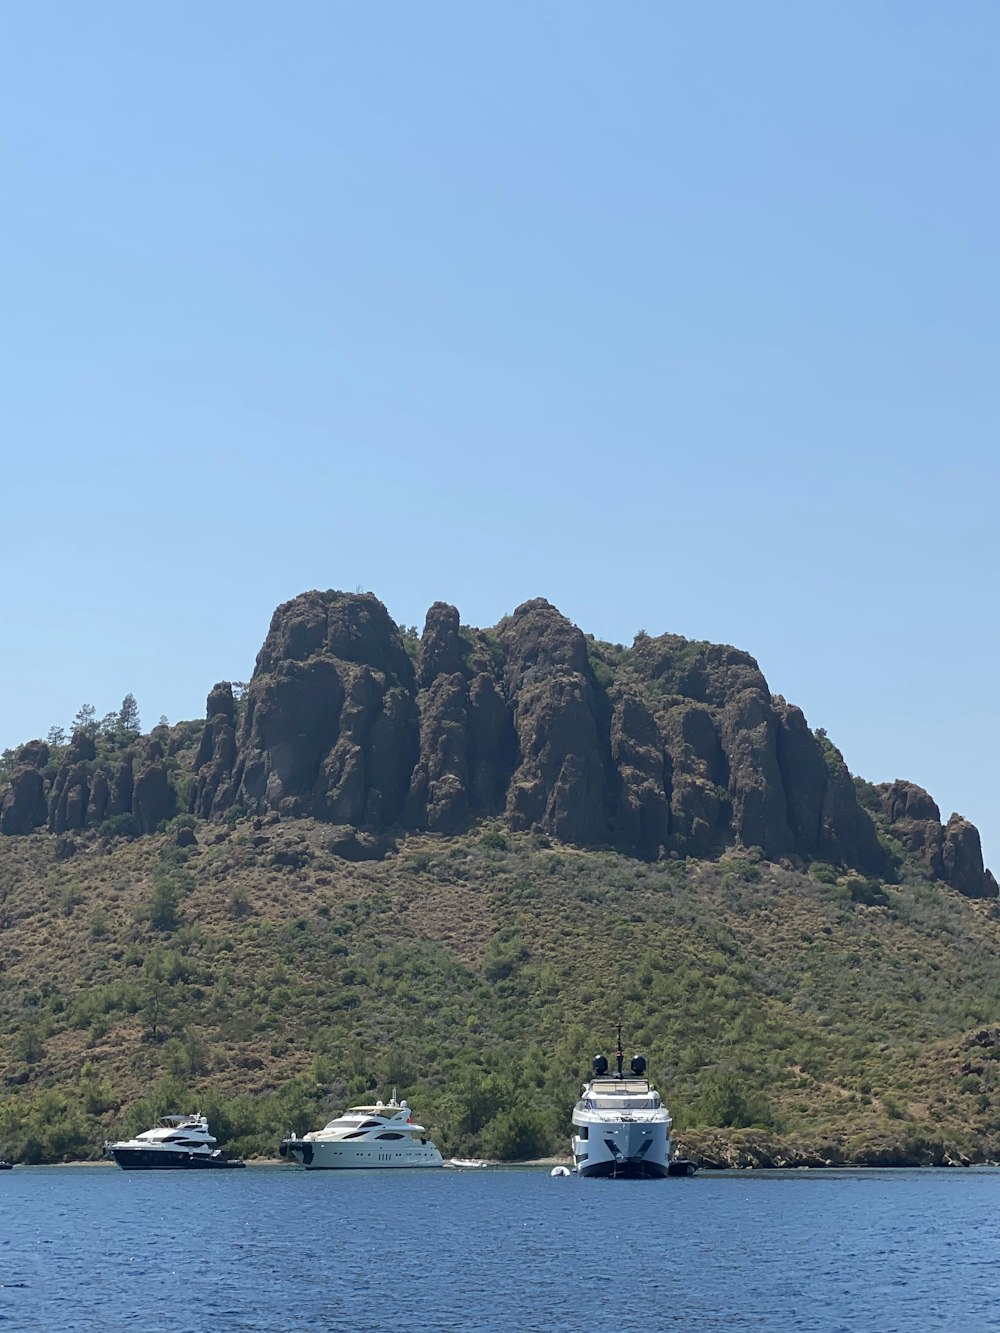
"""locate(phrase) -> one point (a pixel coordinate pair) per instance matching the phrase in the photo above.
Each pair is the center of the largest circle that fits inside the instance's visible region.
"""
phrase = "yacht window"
(390, 1136)
(357, 1134)
(584, 1131)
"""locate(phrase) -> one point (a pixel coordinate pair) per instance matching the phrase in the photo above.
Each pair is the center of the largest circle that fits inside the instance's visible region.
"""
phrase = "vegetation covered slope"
(257, 975)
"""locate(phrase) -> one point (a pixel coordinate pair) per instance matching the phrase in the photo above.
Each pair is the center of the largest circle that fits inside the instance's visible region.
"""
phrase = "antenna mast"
(619, 1054)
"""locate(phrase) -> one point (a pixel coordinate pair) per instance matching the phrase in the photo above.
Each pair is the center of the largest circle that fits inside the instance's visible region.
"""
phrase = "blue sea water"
(275, 1248)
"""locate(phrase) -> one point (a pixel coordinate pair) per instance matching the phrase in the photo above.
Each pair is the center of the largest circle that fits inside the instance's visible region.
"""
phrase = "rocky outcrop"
(440, 786)
(100, 795)
(35, 754)
(561, 784)
(756, 788)
(24, 806)
(962, 856)
(330, 727)
(670, 748)
(70, 790)
(492, 745)
(756, 1149)
(213, 789)
(68, 801)
(442, 651)
(847, 834)
(951, 852)
(806, 777)
(466, 751)
(120, 800)
(915, 821)
(351, 844)
(82, 793)
(151, 800)
(642, 814)
(709, 673)
(683, 749)
(699, 792)
(347, 627)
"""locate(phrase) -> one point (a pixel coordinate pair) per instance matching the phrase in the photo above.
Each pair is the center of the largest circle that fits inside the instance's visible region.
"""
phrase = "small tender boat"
(5, 1165)
(383, 1135)
(467, 1163)
(177, 1143)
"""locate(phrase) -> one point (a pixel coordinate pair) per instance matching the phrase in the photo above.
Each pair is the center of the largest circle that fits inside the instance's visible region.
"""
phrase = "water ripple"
(281, 1249)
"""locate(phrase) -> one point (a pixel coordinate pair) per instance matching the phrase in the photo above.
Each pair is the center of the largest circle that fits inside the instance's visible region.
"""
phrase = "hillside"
(450, 863)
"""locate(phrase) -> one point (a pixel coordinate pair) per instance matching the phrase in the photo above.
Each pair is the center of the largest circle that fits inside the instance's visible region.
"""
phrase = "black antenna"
(619, 1053)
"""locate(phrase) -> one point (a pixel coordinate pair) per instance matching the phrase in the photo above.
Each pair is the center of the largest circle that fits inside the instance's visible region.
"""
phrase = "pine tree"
(128, 717)
(86, 719)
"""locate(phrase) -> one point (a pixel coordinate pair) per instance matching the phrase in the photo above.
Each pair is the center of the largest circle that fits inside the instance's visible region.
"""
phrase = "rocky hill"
(451, 862)
(669, 748)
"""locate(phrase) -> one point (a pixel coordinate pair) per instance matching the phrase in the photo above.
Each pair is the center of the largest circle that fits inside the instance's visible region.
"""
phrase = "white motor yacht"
(178, 1142)
(621, 1126)
(383, 1135)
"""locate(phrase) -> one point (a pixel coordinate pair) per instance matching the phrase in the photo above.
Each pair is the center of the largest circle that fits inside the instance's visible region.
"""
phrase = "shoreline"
(756, 1150)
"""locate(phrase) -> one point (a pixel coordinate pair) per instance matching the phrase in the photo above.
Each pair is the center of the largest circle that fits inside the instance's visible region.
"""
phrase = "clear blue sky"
(684, 316)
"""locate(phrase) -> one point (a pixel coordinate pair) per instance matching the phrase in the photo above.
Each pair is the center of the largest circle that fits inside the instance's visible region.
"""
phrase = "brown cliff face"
(330, 727)
(216, 754)
(560, 784)
(466, 734)
(951, 852)
(915, 821)
(672, 747)
(152, 794)
(642, 766)
(962, 855)
(24, 807)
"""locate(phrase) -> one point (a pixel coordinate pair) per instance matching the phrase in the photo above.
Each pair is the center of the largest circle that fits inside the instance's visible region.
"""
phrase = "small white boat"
(467, 1163)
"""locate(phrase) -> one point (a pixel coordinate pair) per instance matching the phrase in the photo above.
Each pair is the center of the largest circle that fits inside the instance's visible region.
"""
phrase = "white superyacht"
(383, 1135)
(621, 1127)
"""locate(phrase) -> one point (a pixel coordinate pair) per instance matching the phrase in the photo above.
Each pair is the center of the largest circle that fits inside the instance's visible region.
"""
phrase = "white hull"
(623, 1149)
(379, 1137)
(621, 1126)
(315, 1155)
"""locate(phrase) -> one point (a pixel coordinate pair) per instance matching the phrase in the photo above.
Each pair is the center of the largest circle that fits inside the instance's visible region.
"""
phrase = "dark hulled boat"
(177, 1143)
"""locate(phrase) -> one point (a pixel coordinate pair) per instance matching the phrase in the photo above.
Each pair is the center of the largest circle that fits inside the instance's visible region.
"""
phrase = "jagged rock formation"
(216, 754)
(915, 821)
(70, 792)
(151, 796)
(670, 748)
(24, 806)
(561, 784)
(84, 790)
(949, 852)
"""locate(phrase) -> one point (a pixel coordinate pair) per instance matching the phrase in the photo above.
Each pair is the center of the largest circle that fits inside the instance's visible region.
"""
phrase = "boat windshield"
(627, 1094)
